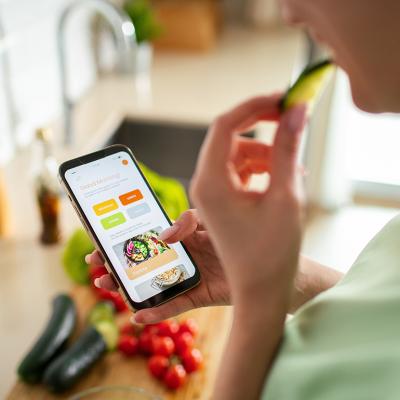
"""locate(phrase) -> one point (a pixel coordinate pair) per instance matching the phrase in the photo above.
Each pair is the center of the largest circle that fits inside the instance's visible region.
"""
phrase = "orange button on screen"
(131, 197)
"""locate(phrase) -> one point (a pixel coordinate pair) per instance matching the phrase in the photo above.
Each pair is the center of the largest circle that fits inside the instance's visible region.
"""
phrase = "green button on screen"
(113, 220)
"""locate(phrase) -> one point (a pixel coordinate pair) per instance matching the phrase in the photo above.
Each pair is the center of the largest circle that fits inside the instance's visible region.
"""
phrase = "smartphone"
(124, 218)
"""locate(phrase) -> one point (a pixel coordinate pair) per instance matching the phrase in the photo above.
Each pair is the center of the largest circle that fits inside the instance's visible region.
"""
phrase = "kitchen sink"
(170, 149)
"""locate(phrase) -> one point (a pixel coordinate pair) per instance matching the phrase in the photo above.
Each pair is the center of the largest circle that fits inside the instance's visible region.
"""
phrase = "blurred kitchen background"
(75, 68)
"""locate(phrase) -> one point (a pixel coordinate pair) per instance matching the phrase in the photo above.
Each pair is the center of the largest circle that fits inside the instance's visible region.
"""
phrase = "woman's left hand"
(256, 235)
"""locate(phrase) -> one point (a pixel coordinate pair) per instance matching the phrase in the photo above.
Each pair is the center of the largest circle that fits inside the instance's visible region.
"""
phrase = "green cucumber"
(52, 340)
(75, 362)
(99, 337)
(308, 85)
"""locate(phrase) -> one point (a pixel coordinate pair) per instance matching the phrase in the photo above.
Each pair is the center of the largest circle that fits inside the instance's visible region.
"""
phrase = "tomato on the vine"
(183, 341)
(175, 377)
(169, 327)
(163, 346)
(96, 271)
(128, 329)
(158, 366)
(151, 329)
(192, 360)
(189, 325)
(114, 297)
(145, 343)
(128, 345)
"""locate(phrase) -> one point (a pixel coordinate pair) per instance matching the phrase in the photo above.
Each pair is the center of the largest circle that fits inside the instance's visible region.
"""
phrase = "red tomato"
(189, 325)
(128, 345)
(128, 329)
(158, 366)
(183, 341)
(96, 271)
(192, 360)
(114, 297)
(151, 328)
(163, 346)
(145, 343)
(168, 327)
(175, 377)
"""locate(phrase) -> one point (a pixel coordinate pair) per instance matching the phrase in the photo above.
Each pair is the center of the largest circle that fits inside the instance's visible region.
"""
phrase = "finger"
(250, 149)
(286, 146)
(95, 258)
(217, 147)
(106, 282)
(183, 227)
(251, 157)
(172, 308)
(252, 167)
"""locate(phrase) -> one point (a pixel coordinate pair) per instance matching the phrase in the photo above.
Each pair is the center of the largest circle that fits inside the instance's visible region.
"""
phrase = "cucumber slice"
(102, 311)
(102, 318)
(308, 85)
(110, 333)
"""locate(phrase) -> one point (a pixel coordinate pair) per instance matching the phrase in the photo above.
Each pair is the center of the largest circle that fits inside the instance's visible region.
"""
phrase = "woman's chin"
(374, 101)
(364, 102)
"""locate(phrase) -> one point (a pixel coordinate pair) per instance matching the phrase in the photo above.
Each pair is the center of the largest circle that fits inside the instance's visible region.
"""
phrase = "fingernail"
(296, 117)
(165, 234)
(137, 319)
(97, 283)
(87, 258)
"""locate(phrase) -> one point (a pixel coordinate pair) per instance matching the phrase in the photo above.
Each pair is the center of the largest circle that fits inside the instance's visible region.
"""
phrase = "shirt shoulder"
(348, 335)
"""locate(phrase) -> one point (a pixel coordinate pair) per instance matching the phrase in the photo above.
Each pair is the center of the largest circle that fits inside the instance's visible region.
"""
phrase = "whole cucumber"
(52, 340)
(75, 362)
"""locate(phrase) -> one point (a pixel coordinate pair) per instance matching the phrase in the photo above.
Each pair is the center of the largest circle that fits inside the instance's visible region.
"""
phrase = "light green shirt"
(345, 343)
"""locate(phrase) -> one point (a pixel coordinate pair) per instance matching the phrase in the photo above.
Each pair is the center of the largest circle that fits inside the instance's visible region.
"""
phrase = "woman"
(344, 343)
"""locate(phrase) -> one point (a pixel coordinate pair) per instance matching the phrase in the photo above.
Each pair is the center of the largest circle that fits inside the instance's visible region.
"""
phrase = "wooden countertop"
(115, 369)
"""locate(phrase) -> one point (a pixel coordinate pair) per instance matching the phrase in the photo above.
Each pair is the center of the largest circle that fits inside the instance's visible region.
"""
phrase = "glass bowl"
(114, 393)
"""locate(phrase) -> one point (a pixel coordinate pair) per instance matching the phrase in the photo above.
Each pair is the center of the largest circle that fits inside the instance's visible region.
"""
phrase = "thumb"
(286, 146)
(156, 314)
(186, 224)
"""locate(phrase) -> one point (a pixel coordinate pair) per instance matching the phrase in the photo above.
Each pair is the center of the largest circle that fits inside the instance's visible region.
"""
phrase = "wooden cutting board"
(115, 369)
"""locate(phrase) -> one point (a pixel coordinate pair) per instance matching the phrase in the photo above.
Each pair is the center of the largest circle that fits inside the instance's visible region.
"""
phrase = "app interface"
(127, 220)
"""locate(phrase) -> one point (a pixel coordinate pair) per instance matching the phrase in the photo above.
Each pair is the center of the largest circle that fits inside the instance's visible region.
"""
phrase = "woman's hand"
(251, 157)
(257, 238)
(213, 288)
(256, 234)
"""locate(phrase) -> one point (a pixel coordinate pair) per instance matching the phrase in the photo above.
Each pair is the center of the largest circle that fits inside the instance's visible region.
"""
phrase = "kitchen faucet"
(124, 32)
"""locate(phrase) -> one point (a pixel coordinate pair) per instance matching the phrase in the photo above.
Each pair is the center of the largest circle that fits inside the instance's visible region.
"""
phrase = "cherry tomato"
(183, 341)
(128, 345)
(114, 297)
(158, 366)
(175, 377)
(168, 327)
(95, 272)
(128, 329)
(192, 359)
(151, 328)
(189, 325)
(163, 346)
(145, 343)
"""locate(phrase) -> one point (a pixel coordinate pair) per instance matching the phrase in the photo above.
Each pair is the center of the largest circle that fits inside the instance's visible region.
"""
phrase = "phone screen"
(127, 221)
